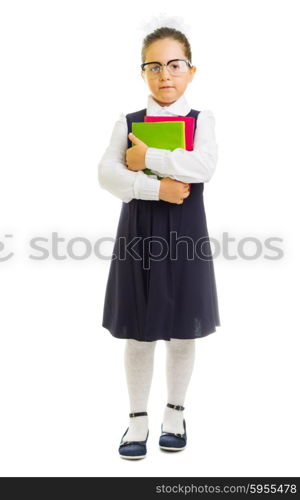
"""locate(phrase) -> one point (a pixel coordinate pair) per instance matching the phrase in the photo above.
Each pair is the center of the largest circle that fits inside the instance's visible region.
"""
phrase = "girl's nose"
(164, 72)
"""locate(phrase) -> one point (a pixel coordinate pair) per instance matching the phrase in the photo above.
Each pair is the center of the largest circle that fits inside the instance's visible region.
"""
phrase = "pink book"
(189, 128)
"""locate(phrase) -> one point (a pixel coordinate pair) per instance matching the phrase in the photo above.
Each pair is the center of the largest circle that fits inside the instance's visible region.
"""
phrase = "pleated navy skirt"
(161, 282)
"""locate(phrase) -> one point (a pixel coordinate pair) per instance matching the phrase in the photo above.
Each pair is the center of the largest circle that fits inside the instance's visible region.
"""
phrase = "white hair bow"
(161, 20)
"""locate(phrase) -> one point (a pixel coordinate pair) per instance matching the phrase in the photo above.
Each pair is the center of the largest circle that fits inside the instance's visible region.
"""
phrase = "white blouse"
(186, 166)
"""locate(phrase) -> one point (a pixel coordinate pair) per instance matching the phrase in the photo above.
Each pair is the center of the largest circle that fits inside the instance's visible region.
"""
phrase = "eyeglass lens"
(174, 68)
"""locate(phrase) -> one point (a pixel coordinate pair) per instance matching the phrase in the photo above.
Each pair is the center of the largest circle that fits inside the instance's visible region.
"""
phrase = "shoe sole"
(132, 458)
(172, 449)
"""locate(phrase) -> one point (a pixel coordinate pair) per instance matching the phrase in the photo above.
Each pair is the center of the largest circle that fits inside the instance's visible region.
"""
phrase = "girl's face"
(163, 51)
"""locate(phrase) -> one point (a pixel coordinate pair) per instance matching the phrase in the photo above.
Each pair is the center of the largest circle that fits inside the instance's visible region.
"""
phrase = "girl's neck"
(163, 104)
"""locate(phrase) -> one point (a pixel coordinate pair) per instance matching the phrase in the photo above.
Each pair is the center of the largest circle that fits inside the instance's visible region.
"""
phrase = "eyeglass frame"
(189, 64)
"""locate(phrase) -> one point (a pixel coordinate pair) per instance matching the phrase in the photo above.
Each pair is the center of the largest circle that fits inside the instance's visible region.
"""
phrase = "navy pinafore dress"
(161, 281)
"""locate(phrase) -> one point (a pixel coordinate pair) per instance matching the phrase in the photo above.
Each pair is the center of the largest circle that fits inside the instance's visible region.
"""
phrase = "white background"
(68, 68)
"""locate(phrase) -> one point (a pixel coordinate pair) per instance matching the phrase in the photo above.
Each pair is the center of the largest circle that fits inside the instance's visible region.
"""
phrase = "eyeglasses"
(175, 67)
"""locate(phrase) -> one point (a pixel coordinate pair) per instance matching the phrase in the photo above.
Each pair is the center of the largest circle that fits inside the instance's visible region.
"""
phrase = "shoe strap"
(138, 414)
(175, 407)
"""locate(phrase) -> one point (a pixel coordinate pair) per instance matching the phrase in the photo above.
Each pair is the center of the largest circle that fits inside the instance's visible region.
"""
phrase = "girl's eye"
(175, 66)
(155, 69)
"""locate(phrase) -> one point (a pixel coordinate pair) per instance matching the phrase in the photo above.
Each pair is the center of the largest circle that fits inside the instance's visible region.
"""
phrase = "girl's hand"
(135, 156)
(173, 191)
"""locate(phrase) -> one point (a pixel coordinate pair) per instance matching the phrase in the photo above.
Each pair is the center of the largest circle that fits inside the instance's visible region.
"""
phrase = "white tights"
(139, 360)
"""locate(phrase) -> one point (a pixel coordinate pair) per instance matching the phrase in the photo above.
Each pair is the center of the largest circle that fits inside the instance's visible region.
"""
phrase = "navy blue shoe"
(171, 441)
(133, 449)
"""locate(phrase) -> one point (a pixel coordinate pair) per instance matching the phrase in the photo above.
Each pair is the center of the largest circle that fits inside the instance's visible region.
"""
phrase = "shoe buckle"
(172, 434)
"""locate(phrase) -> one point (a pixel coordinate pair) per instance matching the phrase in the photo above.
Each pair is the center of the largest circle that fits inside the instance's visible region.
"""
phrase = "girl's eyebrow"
(174, 59)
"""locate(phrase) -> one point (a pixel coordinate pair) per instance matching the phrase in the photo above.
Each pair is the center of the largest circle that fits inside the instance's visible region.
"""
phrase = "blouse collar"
(178, 108)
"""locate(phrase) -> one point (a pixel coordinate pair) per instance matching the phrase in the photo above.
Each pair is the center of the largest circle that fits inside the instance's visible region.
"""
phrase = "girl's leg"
(139, 359)
(180, 360)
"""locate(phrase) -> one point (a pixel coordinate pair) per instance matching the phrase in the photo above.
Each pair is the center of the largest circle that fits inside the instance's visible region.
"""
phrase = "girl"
(161, 282)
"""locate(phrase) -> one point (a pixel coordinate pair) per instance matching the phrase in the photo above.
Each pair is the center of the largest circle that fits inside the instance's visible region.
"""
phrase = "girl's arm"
(115, 177)
(188, 166)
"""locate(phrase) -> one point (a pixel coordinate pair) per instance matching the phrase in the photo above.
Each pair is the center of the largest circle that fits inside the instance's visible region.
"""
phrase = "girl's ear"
(193, 70)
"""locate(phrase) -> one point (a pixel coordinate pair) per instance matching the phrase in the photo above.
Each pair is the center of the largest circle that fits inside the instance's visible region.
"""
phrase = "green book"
(163, 135)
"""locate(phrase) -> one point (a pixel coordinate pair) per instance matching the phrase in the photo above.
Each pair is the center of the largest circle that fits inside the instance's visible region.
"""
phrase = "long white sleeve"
(115, 177)
(188, 166)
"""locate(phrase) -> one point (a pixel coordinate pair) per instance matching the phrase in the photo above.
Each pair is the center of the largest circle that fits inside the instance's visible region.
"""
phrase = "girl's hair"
(165, 32)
